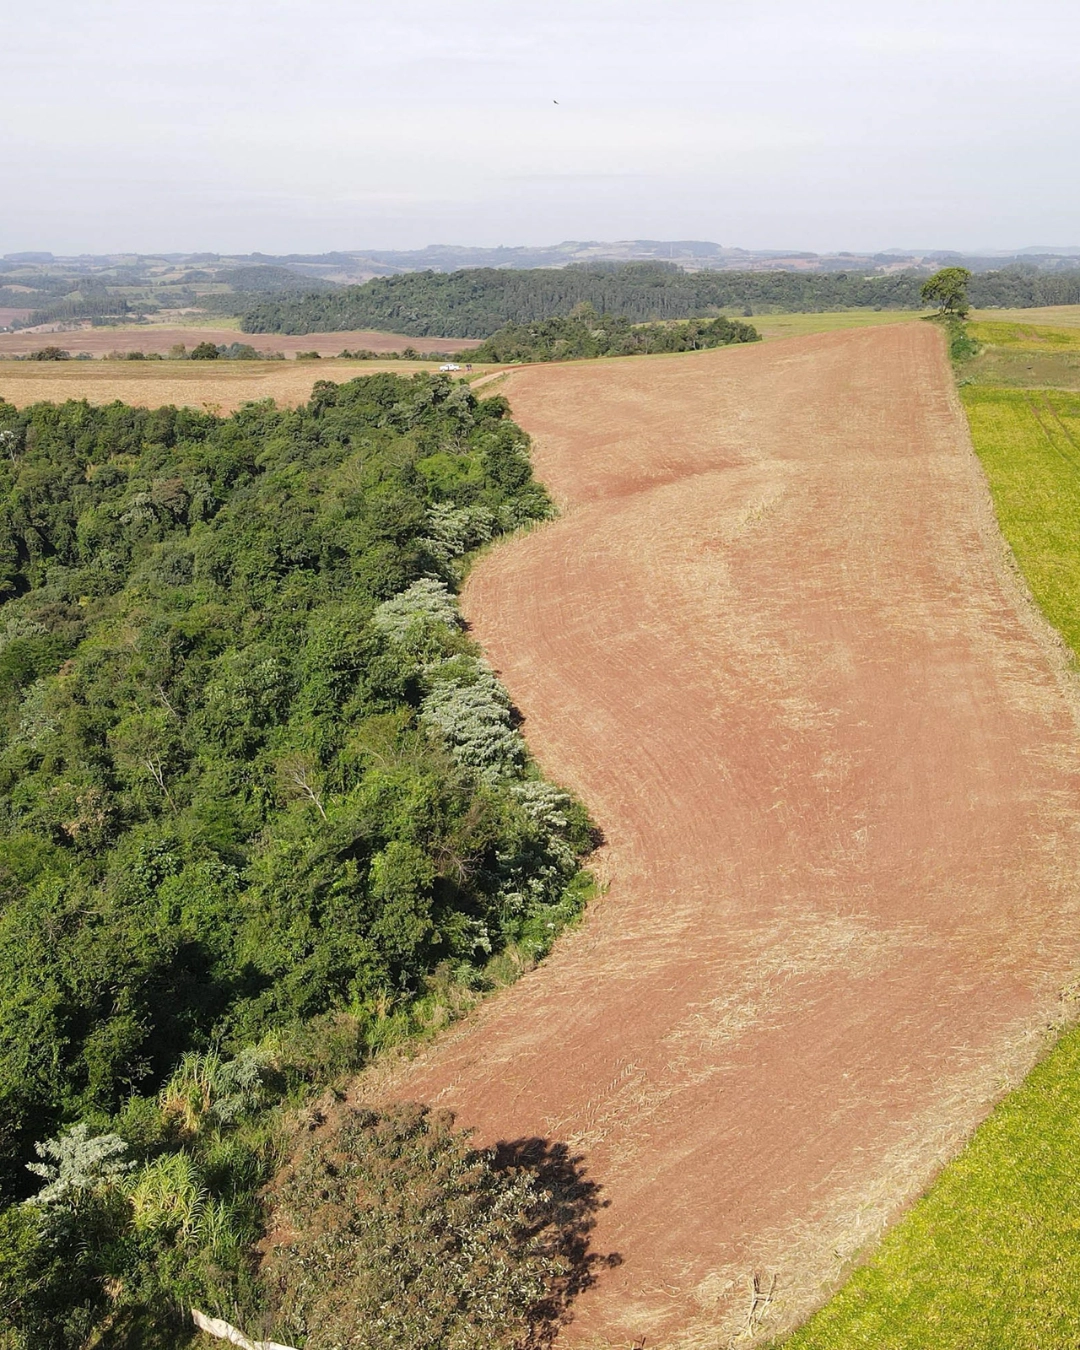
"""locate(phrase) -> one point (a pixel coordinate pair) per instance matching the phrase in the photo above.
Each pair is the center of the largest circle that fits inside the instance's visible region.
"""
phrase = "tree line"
(263, 807)
(478, 302)
(585, 334)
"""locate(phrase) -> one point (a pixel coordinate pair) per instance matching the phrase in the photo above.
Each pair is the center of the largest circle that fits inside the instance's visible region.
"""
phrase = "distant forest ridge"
(477, 302)
(108, 290)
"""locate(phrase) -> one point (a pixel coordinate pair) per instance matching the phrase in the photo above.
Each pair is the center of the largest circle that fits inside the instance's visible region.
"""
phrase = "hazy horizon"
(268, 127)
(1057, 250)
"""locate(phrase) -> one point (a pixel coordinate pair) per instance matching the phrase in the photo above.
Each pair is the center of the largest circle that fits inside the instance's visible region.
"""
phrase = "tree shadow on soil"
(567, 1223)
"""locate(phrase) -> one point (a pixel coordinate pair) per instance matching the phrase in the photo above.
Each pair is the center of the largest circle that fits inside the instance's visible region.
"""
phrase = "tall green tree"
(948, 290)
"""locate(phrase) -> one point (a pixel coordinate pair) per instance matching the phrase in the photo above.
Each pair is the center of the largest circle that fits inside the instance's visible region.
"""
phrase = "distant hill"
(689, 254)
(453, 257)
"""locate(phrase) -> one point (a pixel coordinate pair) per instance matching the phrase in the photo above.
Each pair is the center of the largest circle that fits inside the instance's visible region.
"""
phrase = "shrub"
(473, 716)
(82, 1164)
(424, 604)
(397, 1234)
(962, 346)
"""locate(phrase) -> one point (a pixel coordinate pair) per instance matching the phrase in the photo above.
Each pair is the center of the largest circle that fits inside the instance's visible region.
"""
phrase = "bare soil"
(214, 386)
(151, 338)
(774, 643)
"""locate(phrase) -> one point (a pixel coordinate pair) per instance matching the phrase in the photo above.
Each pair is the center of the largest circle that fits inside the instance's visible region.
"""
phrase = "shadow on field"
(569, 1220)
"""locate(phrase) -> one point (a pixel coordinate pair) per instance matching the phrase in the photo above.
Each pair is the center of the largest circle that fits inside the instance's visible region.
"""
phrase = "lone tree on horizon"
(948, 290)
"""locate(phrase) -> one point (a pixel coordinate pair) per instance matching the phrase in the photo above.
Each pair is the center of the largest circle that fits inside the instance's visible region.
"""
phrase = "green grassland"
(802, 325)
(989, 1259)
(1017, 335)
(1029, 444)
(1018, 354)
(1064, 316)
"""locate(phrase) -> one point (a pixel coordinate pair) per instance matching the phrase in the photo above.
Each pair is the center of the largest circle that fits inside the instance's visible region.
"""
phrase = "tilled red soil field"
(774, 644)
(159, 339)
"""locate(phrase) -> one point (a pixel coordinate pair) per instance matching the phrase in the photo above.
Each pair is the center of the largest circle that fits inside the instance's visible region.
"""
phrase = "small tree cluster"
(397, 1234)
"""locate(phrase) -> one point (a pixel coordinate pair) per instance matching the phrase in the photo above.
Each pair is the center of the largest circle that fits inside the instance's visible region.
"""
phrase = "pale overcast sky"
(308, 125)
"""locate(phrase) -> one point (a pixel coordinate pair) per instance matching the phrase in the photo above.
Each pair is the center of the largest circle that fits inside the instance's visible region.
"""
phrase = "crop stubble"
(161, 338)
(214, 386)
(773, 643)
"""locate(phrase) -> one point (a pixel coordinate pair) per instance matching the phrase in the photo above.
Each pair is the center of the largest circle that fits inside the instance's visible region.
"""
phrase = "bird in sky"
(555, 101)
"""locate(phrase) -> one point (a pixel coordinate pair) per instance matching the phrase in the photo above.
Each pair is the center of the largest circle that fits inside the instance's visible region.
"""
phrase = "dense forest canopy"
(586, 334)
(299, 295)
(478, 302)
(253, 773)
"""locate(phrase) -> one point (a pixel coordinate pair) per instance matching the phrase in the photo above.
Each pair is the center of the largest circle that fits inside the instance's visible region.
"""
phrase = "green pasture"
(989, 1259)
(801, 325)
(1063, 316)
(1015, 353)
(1021, 336)
(1029, 444)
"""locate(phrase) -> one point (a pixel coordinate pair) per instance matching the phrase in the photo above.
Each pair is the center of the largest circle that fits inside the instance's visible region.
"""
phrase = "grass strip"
(1029, 443)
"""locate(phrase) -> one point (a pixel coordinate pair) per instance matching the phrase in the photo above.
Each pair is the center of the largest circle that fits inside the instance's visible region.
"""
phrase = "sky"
(313, 125)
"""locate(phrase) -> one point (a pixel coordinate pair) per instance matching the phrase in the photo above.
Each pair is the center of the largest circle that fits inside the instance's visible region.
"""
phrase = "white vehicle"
(450, 366)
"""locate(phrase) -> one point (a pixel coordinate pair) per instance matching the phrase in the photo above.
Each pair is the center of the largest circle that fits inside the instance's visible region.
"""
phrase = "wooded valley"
(263, 807)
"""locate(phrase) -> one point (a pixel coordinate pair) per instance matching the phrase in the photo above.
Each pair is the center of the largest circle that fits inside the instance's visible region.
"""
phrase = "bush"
(471, 710)
(586, 334)
(962, 346)
(396, 1234)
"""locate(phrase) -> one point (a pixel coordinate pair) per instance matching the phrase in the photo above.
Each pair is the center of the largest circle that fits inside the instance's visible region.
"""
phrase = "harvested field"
(775, 644)
(152, 338)
(801, 325)
(219, 386)
(1065, 315)
(10, 316)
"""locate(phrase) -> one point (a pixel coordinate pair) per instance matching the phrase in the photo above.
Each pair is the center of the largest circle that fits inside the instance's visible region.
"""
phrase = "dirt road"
(772, 644)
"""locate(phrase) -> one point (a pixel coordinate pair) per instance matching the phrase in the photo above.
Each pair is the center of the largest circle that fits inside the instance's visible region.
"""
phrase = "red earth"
(159, 339)
(775, 644)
